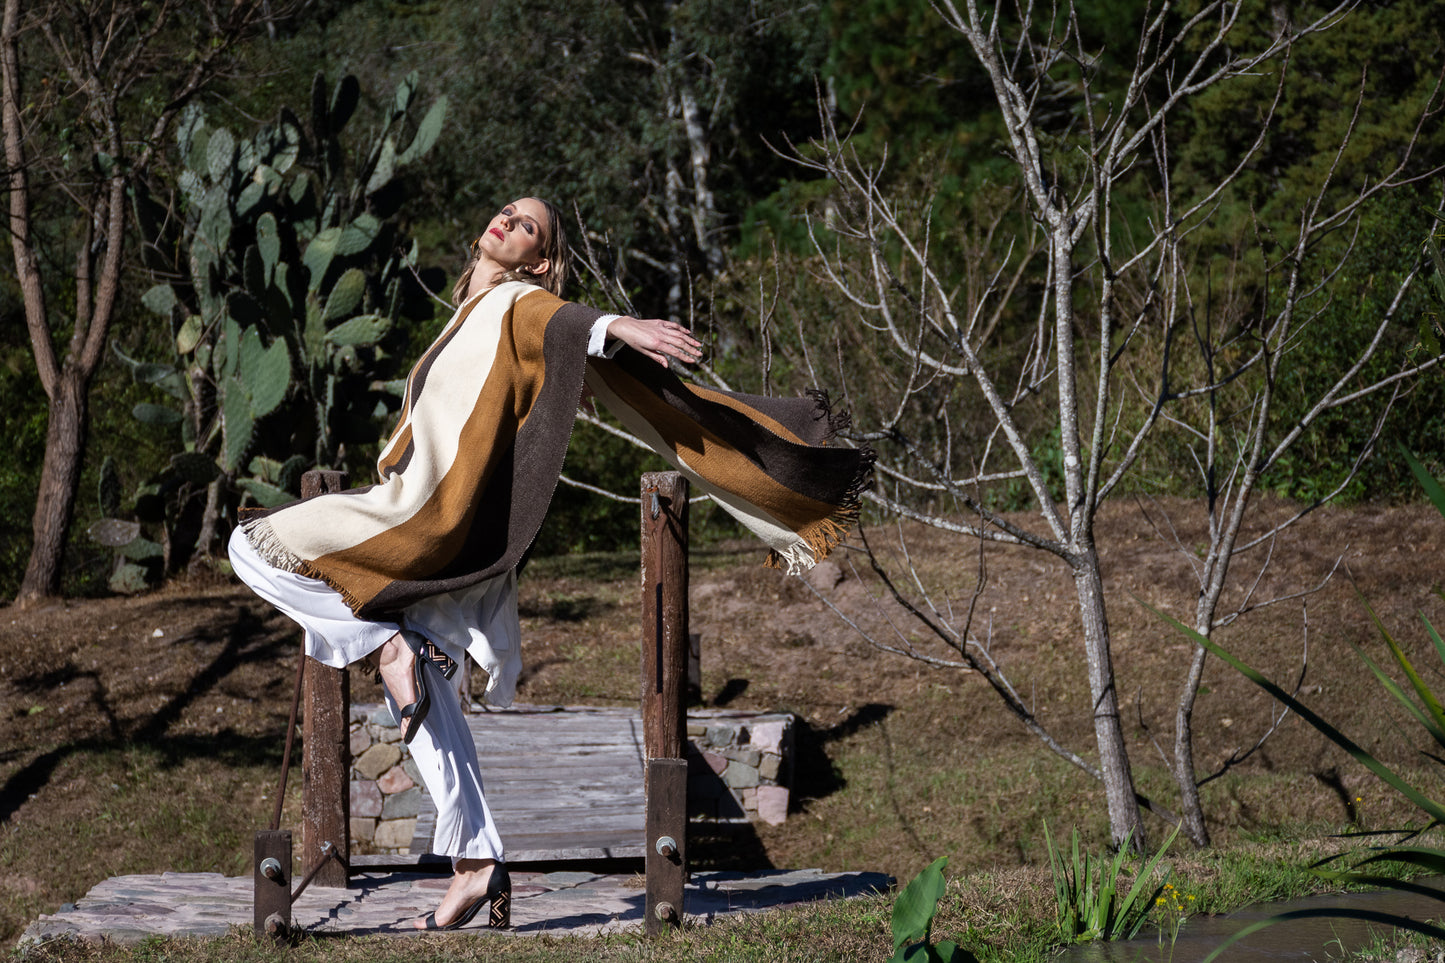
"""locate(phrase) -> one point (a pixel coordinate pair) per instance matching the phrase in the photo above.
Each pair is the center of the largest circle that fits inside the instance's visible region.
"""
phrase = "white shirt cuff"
(597, 341)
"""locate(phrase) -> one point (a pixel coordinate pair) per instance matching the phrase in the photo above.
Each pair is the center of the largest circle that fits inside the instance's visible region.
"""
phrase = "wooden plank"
(562, 785)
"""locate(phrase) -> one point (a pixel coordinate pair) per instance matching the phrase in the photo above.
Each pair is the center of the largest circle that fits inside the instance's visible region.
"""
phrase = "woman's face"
(515, 236)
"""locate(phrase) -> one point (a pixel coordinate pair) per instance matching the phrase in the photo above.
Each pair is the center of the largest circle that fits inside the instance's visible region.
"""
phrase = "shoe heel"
(425, 648)
(499, 893)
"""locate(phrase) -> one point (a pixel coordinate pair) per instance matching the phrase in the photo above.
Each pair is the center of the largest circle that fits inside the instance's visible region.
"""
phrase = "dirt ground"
(899, 762)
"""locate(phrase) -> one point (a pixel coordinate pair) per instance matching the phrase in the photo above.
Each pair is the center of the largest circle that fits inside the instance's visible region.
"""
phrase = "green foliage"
(913, 914)
(582, 105)
(1432, 324)
(1087, 896)
(138, 559)
(294, 278)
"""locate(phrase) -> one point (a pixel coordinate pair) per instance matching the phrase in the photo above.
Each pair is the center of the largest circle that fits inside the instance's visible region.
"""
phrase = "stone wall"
(739, 767)
(386, 790)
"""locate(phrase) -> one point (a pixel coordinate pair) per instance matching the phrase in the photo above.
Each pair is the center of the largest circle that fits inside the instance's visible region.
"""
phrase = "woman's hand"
(656, 338)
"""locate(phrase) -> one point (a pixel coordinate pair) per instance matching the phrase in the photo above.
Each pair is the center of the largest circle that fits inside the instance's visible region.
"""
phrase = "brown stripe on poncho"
(470, 470)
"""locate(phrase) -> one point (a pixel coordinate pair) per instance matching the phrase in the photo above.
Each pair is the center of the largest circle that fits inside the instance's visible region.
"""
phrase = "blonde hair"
(555, 250)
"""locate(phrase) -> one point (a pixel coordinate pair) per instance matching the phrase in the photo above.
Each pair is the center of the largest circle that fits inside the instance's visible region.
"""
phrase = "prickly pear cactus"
(294, 277)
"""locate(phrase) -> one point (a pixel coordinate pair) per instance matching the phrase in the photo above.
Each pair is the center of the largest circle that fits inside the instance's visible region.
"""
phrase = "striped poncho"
(468, 473)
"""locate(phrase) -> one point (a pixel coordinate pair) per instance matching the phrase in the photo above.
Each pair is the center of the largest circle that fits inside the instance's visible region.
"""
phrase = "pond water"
(1304, 939)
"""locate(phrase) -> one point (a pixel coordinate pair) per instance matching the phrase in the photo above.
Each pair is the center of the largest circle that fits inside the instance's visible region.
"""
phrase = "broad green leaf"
(249, 359)
(345, 296)
(250, 196)
(220, 151)
(915, 907)
(188, 334)
(366, 329)
(427, 133)
(284, 158)
(215, 224)
(193, 186)
(155, 414)
(196, 156)
(358, 235)
(192, 118)
(319, 254)
(265, 494)
(128, 579)
(266, 469)
(140, 549)
(205, 277)
(405, 91)
(194, 467)
(237, 426)
(268, 242)
(395, 387)
(160, 298)
(385, 168)
(246, 156)
(114, 532)
(270, 380)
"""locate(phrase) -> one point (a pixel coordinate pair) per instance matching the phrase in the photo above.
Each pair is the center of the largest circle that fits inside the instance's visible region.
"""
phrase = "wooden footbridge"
(570, 786)
(561, 784)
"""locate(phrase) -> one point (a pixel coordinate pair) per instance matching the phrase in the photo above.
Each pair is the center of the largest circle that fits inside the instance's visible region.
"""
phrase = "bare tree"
(1127, 343)
(111, 76)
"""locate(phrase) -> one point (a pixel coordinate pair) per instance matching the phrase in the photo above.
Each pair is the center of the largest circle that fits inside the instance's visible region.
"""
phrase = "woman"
(421, 567)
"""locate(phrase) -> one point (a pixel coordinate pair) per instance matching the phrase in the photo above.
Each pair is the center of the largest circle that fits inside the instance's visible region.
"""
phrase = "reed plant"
(1089, 900)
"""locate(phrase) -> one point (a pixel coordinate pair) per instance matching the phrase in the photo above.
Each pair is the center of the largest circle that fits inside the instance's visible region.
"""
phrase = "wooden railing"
(326, 752)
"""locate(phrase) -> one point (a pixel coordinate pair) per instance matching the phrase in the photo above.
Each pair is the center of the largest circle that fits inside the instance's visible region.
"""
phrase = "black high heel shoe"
(429, 650)
(416, 712)
(498, 896)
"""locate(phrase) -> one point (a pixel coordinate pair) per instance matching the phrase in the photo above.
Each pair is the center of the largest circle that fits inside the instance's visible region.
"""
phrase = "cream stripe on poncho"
(468, 473)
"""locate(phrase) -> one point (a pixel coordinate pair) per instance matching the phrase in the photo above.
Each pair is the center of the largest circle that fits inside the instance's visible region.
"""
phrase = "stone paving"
(130, 908)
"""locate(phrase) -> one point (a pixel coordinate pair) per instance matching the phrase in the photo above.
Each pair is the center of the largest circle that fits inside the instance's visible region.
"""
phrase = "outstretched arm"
(656, 338)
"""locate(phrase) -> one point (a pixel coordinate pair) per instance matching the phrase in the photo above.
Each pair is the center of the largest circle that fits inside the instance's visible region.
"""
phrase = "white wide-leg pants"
(481, 621)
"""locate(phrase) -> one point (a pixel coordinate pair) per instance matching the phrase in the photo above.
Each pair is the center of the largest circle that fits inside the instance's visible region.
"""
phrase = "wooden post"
(271, 885)
(664, 614)
(665, 861)
(325, 746)
(664, 692)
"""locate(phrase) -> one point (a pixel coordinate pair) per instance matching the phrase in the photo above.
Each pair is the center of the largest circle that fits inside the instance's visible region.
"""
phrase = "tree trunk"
(1193, 810)
(210, 525)
(1124, 823)
(59, 481)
